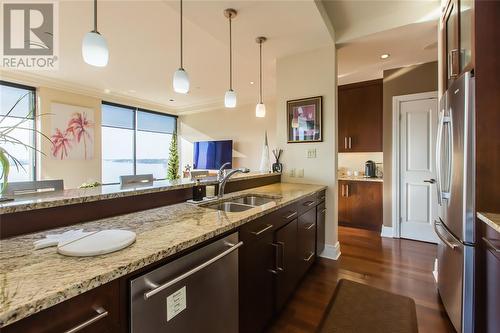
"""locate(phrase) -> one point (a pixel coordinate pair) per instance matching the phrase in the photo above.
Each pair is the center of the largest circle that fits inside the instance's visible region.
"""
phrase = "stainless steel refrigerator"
(455, 169)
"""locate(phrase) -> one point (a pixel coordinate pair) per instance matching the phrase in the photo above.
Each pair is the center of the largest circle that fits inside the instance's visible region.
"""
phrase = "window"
(22, 116)
(134, 141)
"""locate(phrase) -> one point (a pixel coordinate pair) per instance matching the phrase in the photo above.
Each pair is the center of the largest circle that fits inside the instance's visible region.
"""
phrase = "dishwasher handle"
(198, 268)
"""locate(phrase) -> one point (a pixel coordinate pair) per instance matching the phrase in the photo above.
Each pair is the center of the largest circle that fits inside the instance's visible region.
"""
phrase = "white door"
(418, 203)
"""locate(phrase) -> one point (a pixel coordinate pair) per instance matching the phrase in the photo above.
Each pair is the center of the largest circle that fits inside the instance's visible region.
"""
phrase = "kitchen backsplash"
(356, 161)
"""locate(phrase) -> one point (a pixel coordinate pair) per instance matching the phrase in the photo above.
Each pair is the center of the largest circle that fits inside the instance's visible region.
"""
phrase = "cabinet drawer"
(306, 240)
(95, 311)
(283, 216)
(307, 203)
(256, 229)
(321, 196)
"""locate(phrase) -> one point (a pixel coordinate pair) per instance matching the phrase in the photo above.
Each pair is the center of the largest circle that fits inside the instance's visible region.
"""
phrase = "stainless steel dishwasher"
(195, 293)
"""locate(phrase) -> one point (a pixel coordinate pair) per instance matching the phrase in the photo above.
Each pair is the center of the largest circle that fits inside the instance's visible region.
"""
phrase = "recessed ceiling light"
(385, 56)
(107, 91)
(172, 100)
(132, 91)
(251, 82)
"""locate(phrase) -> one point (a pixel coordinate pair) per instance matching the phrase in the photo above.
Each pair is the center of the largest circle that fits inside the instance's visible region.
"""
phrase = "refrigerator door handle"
(438, 156)
(449, 162)
(451, 245)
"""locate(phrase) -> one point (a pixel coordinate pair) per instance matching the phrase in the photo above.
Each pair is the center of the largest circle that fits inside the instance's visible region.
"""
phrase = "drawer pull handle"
(279, 268)
(322, 198)
(290, 216)
(198, 268)
(256, 233)
(101, 313)
(308, 203)
(310, 256)
(323, 211)
(490, 245)
(309, 226)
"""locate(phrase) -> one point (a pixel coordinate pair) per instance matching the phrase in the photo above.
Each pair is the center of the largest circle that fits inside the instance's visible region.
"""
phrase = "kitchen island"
(34, 280)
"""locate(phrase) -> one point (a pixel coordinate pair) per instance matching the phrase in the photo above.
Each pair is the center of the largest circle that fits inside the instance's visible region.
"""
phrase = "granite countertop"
(27, 202)
(31, 281)
(491, 219)
(360, 178)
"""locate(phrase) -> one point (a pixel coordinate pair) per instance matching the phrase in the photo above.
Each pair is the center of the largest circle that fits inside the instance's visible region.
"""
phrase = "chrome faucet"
(223, 179)
(220, 173)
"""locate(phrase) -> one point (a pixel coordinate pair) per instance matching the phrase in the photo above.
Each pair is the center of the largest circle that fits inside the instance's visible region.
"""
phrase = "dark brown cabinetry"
(286, 280)
(457, 34)
(320, 227)
(360, 110)
(256, 262)
(360, 204)
(95, 311)
(306, 240)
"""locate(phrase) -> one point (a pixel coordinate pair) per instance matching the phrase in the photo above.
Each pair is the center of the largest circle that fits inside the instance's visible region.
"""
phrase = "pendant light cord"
(181, 36)
(230, 55)
(260, 74)
(95, 15)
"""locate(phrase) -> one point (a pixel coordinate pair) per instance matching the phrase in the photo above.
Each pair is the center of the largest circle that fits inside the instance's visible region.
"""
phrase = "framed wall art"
(304, 120)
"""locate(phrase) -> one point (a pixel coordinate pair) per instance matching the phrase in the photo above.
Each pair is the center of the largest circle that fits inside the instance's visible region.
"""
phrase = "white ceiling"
(143, 39)
(366, 29)
(359, 59)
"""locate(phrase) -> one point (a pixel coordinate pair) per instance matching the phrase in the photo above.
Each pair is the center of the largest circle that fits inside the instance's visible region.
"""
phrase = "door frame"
(396, 195)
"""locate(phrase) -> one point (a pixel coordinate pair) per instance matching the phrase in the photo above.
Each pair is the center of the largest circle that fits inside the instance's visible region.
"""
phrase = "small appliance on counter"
(370, 169)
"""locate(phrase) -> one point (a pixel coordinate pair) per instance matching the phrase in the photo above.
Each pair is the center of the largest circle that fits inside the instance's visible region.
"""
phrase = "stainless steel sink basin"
(230, 207)
(253, 200)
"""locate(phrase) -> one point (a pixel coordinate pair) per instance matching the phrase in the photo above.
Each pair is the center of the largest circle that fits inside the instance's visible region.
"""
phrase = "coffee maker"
(370, 169)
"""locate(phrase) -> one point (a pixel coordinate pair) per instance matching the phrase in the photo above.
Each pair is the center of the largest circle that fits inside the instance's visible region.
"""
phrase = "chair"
(146, 179)
(16, 188)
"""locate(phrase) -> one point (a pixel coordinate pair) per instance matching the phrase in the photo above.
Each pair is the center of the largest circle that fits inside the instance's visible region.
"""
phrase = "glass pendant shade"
(260, 110)
(95, 49)
(181, 81)
(230, 99)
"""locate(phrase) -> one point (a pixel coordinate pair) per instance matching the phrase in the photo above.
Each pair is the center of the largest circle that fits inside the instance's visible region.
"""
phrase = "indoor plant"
(6, 137)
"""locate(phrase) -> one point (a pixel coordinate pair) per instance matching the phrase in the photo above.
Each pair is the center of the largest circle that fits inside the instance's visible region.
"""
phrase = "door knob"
(430, 181)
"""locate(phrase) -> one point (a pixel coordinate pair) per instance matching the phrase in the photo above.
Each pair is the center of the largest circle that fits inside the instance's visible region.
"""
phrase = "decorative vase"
(277, 167)
(264, 161)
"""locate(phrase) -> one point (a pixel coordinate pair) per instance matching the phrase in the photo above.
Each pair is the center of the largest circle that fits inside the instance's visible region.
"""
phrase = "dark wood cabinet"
(256, 263)
(360, 112)
(320, 228)
(99, 308)
(306, 240)
(457, 31)
(360, 204)
(287, 278)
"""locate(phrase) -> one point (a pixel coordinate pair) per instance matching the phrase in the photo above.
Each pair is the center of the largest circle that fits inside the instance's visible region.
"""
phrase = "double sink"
(241, 204)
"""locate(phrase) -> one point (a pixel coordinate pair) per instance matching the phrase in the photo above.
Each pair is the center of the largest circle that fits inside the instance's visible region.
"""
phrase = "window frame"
(135, 130)
(35, 129)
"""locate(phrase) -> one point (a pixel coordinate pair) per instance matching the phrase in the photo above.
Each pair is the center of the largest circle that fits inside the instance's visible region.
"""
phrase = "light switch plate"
(311, 153)
(300, 173)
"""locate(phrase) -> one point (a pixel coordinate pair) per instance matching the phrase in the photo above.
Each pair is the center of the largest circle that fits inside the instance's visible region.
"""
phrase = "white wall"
(308, 74)
(239, 125)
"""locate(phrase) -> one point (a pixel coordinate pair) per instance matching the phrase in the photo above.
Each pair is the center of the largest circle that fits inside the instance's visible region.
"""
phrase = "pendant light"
(260, 109)
(230, 96)
(94, 47)
(181, 78)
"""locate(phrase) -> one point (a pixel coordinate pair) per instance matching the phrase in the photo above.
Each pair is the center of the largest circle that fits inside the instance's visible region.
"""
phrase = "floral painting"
(72, 132)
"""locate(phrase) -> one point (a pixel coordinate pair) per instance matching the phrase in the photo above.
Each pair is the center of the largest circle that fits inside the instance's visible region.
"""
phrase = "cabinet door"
(320, 228)
(256, 260)
(450, 35)
(466, 14)
(365, 204)
(360, 117)
(306, 242)
(344, 216)
(287, 278)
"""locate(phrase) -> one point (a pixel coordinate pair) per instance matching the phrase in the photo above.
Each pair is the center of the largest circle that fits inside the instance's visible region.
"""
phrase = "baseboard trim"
(331, 251)
(387, 232)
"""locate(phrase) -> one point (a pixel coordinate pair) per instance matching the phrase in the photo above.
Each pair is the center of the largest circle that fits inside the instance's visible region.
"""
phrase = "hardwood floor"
(400, 266)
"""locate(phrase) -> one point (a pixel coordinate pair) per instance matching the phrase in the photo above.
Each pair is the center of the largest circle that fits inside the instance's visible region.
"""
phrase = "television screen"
(212, 154)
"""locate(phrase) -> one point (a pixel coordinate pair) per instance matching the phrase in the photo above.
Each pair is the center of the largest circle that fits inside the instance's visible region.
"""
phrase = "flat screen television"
(212, 154)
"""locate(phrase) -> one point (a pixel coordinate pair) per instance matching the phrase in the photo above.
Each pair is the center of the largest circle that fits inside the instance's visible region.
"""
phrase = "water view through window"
(134, 141)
